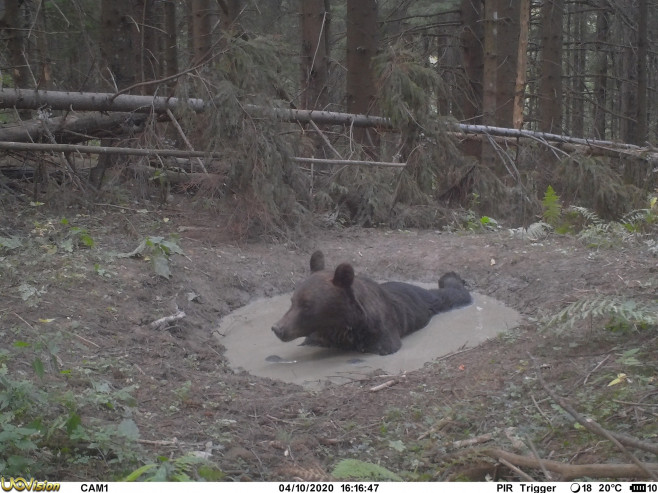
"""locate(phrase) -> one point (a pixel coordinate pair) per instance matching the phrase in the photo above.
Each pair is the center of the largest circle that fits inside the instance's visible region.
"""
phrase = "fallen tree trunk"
(563, 147)
(28, 146)
(74, 128)
(106, 102)
(568, 472)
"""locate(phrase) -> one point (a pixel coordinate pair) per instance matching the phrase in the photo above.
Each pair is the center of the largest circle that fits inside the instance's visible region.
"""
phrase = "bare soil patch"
(98, 307)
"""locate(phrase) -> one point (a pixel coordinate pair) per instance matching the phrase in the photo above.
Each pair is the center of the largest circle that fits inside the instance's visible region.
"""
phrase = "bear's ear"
(317, 261)
(344, 276)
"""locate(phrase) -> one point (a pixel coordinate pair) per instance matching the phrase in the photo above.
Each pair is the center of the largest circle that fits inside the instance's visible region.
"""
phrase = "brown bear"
(340, 310)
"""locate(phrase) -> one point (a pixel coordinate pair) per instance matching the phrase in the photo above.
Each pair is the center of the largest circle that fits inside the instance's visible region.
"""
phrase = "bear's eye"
(305, 305)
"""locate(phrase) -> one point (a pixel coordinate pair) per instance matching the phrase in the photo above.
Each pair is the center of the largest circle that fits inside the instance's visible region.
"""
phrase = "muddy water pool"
(252, 346)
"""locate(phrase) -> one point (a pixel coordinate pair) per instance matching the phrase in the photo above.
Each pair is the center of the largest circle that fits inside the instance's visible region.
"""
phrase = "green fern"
(552, 207)
(598, 232)
(182, 469)
(619, 313)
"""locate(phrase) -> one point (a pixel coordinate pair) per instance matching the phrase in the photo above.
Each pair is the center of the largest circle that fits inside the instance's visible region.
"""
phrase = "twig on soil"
(597, 429)
(437, 426)
(568, 472)
(384, 385)
(85, 340)
(539, 409)
(595, 368)
(487, 437)
(117, 207)
(461, 351)
(157, 324)
(158, 442)
(518, 471)
(24, 321)
(640, 404)
(547, 475)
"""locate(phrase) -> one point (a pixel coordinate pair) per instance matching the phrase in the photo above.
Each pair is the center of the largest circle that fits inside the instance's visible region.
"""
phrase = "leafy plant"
(598, 232)
(620, 313)
(552, 207)
(157, 250)
(75, 236)
(42, 421)
(10, 243)
(179, 470)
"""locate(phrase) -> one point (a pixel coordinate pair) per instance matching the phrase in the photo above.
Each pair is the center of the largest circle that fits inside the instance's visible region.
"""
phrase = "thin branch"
(594, 427)
(173, 120)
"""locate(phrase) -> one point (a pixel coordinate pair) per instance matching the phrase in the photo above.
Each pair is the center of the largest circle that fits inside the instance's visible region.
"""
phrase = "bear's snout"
(281, 333)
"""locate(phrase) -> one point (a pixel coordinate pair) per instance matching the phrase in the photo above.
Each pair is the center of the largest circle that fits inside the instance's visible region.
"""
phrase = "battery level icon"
(638, 488)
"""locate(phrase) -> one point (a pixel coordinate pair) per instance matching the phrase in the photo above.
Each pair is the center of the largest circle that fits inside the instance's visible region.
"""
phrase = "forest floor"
(75, 320)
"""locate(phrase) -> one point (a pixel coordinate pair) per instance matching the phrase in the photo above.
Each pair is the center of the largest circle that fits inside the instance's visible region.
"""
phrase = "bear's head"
(322, 303)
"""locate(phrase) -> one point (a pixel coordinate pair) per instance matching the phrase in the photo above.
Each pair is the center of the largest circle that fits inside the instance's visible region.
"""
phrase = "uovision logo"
(22, 484)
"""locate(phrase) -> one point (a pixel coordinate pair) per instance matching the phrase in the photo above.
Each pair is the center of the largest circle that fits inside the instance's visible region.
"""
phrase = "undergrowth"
(47, 426)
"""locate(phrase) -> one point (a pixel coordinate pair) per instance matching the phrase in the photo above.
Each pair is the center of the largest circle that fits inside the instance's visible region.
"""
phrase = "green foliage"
(552, 207)
(594, 183)
(407, 86)
(473, 222)
(597, 232)
(186, 468)
(40, 422)
(616, 313)
(263, 190)
(75, 237)
(357, 470)
(10, 243)
(157, 249)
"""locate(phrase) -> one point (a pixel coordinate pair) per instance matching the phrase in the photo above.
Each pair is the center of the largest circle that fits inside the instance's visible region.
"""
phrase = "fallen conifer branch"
(518, 471)
(568, 472)
(487, 437)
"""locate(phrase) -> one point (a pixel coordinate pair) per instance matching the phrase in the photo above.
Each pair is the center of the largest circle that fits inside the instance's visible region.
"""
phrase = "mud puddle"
(252, 346)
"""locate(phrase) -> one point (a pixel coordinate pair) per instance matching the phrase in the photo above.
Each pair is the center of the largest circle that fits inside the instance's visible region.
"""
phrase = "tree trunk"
(471, 39)
(230, 13)
(150, 67)
(362, 44)
(578, 88)
(119, 60)
(628, 103)
(171, 41)
(521, 64)
(74, 127)
(550, 82)
(507, 41)
(315, 53)
(490, 77)
(117, 44)
(641, 131)
(601, 69)
(20, 71)
(201, 29)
